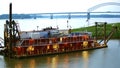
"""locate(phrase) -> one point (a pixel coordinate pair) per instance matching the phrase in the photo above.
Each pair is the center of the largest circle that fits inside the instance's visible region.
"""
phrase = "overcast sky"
(43, 6)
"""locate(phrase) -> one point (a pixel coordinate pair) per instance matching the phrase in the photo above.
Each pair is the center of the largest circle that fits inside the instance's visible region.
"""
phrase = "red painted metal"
(44, 46)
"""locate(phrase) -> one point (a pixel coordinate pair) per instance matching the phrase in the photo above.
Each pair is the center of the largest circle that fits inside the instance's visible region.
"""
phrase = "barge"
(19, 44)
(50, 41)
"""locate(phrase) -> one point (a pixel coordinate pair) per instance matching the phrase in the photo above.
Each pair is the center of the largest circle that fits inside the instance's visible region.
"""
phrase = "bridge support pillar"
(88, 17)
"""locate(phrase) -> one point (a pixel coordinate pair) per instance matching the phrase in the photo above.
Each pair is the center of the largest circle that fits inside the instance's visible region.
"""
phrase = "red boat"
(50, 41)
(47, 41)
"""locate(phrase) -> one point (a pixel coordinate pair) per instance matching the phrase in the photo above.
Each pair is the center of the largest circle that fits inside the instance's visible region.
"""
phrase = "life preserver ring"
(85, 43)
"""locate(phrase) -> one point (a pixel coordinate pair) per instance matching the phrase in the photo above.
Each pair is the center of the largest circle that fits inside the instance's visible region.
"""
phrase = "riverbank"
(108, 28)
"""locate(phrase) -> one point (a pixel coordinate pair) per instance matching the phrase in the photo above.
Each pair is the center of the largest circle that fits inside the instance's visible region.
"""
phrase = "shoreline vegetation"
(116, 35)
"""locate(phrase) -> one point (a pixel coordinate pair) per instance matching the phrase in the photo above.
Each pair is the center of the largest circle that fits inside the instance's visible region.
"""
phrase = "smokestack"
(10, 12)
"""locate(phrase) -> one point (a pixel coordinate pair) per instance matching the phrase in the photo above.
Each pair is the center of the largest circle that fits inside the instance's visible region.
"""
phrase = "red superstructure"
(52, 45)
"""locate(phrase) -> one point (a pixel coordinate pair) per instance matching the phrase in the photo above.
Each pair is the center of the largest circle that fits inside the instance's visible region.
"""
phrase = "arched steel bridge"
(69, 15)
(101, 5)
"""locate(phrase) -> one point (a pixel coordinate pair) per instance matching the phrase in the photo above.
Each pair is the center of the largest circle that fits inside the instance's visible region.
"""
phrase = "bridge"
(69, 15)
(100, 5)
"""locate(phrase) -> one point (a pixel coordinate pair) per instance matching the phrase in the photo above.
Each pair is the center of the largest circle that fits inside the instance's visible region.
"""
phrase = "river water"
(100, 58)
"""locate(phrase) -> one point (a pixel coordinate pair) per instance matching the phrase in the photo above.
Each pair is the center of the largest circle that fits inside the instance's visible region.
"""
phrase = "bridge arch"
(98, 6)
(101, 5)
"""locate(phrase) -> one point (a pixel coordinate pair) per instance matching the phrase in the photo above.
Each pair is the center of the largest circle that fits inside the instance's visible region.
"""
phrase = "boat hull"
(56, 48)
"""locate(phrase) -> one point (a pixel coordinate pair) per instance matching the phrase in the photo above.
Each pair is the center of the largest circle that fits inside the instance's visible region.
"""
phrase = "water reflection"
(54, 62)
(66, 62)
(48, 61)
(18, 65)
(85, 56)
(2, 62)
(32, 63)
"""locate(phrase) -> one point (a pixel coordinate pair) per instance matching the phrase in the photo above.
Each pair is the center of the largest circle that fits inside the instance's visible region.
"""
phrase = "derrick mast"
(11, 33)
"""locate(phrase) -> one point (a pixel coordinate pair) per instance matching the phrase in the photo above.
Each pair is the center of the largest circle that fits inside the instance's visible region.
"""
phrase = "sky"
(44, 6)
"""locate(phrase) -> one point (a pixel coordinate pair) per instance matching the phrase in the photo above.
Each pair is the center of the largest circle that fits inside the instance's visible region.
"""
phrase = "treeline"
(15, 16)
(29, 16)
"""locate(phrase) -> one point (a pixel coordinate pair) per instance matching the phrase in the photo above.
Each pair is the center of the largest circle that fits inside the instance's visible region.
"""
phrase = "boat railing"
(44, 41)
